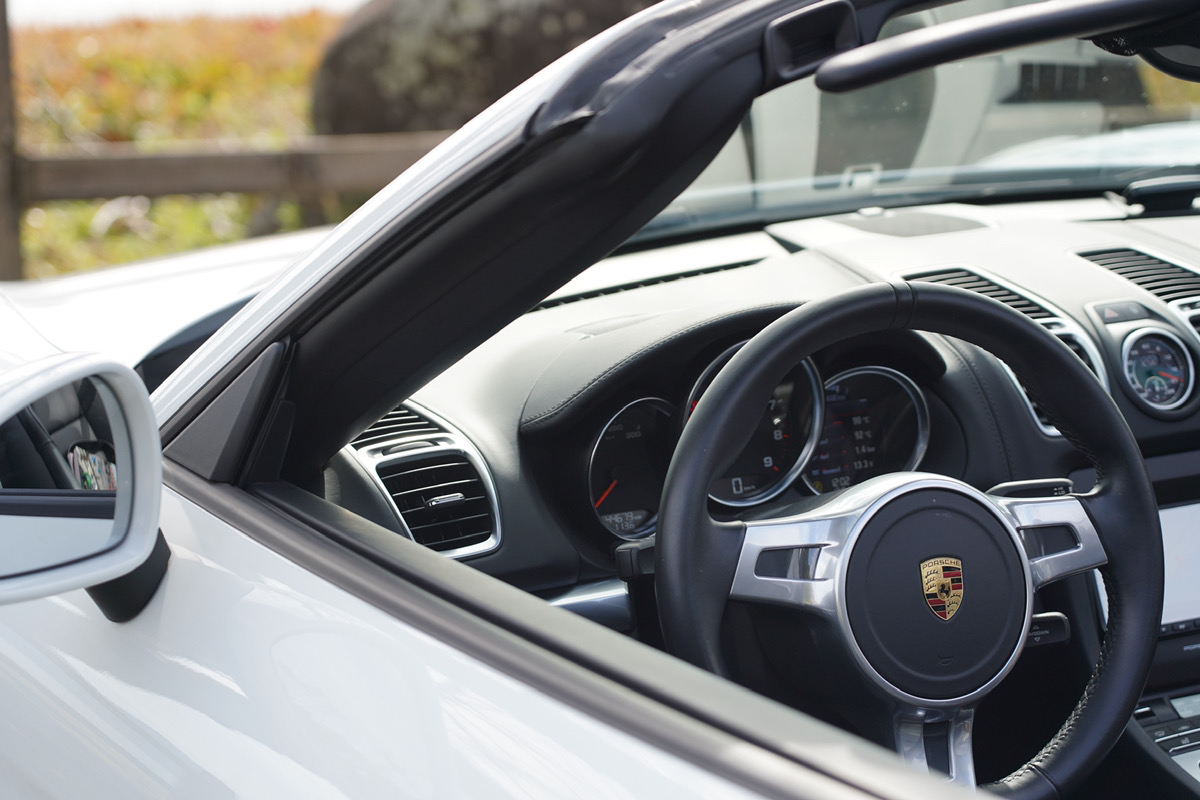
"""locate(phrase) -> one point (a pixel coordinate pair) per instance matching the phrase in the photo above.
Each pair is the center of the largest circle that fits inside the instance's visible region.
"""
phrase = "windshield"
(1053, 119)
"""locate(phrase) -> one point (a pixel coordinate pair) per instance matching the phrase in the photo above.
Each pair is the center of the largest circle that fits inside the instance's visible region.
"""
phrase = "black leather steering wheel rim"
(696, 556)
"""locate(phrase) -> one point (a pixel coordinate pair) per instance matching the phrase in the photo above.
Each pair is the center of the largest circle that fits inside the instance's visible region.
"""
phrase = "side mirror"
(80, 476)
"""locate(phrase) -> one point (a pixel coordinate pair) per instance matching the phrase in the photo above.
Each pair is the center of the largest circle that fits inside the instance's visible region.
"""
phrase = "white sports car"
(761, 388)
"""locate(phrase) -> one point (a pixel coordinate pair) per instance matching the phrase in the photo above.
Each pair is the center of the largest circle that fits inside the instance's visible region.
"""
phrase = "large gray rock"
(402, 65)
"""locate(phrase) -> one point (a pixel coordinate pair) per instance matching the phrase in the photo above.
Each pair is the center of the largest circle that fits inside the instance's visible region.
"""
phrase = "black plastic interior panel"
(214, 444)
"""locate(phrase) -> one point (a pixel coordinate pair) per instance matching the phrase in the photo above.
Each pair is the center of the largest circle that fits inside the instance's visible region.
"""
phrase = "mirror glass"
(60, 478)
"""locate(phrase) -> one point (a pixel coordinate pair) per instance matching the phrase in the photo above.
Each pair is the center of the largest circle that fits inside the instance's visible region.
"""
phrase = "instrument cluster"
(816, 435)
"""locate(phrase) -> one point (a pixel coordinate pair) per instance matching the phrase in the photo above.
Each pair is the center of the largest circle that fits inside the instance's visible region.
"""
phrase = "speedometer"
(628, 464)
(876, 422)
(781, 442)
(1158, 368)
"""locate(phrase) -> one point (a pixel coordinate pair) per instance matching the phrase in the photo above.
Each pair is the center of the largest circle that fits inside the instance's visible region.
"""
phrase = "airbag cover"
(930, 629)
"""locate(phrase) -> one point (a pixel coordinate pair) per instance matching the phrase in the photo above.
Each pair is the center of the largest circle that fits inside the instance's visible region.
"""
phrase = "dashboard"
(576, 406)
(569, 416)
(542, 453)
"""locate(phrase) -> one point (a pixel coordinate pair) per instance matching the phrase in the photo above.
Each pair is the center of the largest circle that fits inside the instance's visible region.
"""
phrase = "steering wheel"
(923, 583)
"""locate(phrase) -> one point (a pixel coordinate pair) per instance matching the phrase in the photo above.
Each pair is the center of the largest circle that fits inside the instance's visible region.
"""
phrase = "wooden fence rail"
(311, 165)
(307, 168)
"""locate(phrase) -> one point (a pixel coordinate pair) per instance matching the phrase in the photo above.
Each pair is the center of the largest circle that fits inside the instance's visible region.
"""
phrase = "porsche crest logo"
(943, 583)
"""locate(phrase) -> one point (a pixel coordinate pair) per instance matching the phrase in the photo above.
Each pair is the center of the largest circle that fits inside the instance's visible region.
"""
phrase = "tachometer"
(629, 463)
(779, 445)
(876, 422)
(1158, 368)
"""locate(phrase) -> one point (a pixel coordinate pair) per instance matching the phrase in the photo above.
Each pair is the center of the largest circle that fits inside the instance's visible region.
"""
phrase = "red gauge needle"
(607, 492)
(1168, 375)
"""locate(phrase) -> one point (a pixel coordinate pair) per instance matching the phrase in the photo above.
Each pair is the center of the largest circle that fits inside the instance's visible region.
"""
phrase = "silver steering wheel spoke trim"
(1031, 514)
(801, 560)
(917, 731)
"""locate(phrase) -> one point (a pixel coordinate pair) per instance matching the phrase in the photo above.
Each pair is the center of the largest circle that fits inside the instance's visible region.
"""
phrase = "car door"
(249, 676)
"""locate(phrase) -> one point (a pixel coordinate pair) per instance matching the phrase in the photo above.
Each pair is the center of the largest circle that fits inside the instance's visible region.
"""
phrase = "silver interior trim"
(425, 444)
(1190, 763)
(1059, 324)
(1064, 329)
(910, 741)
(1152, 330)
(810, 444)
(649, 525)
(606, 602)
(834, 527)
(1185, 309)
(920, 405)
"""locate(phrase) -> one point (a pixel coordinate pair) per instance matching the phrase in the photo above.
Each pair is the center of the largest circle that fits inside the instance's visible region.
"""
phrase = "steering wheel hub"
(936, 595)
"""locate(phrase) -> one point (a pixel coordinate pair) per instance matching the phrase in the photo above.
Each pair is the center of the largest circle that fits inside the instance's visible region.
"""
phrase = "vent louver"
(1077, 349)
(442, 500)
(965, 279)
(1164, 280)
(400, 423)
(1067, 332)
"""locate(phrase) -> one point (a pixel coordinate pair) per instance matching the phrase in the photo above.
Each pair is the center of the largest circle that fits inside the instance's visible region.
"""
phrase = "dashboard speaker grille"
(442, 500)
(1163, 279)
(965, 279)
(400, 423)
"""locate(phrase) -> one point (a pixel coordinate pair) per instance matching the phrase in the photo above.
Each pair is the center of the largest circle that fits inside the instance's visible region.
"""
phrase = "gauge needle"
(1168, 375)
(607, 492)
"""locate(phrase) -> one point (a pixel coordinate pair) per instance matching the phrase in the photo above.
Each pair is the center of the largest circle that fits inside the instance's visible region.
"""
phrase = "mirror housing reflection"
(80, 475)
(58, 478)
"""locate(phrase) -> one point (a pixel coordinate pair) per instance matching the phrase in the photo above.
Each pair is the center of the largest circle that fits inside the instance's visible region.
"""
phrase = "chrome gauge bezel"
(810, 442)
(1127, 348)
(649, 526)
(920, 405)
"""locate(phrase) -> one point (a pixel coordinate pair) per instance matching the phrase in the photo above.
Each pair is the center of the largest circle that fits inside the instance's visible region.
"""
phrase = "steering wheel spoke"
(937, 741)
(1058, 534)
(792, 560)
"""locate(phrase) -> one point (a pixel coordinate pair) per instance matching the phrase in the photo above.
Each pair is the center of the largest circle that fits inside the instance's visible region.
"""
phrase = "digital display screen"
(1181, 562)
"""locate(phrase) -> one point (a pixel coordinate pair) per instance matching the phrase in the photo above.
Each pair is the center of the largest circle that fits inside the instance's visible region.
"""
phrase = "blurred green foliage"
(150, 83)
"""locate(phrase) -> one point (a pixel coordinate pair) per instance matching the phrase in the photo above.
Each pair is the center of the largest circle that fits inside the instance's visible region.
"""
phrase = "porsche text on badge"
(943, 583)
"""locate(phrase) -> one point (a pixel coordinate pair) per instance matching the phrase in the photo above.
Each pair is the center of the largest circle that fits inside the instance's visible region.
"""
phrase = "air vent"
(562, 300)
(1073, 343)
(1077, 349)
(442, 500)
(1164, 280)
(402, 423)
(1067, 331)
(965, 279)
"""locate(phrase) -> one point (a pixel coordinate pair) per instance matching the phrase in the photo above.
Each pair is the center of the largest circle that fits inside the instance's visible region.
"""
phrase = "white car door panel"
(247, 676)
